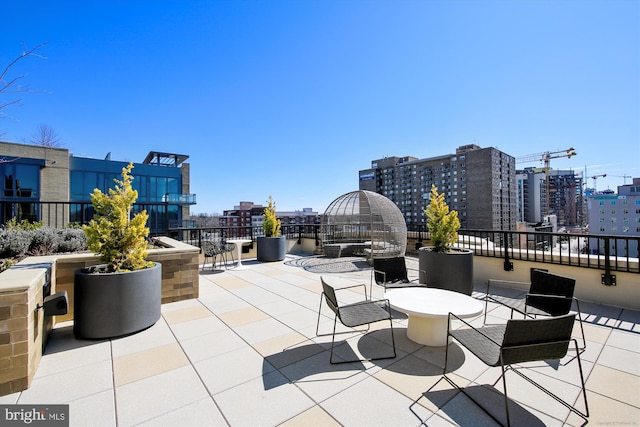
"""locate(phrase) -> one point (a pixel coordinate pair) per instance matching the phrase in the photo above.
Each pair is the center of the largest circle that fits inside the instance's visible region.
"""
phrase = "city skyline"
(292, 99)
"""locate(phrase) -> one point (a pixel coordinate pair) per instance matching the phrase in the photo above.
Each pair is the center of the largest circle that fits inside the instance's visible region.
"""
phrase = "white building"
(616, 215)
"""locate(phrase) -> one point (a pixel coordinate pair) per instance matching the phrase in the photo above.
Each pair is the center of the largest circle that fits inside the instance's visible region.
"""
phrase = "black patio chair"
(228, 248)
(209, 251)
(548, 295)
(353, 315)
(392, 273)
(519, 341)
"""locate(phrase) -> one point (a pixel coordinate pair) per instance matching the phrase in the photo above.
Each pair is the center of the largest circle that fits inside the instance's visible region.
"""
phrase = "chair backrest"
(330, 296)
(394, 269)
(537, 339)
(208, 248)
(545, 283)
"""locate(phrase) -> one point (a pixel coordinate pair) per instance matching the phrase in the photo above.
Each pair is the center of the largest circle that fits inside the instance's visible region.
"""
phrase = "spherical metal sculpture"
(363, 223)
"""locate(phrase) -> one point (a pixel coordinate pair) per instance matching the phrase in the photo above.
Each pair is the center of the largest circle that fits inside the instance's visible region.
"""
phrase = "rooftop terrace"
(245, 354)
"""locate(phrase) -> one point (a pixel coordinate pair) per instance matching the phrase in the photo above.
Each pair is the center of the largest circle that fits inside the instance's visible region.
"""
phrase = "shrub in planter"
(441, 265)
(123, 295)
(271, 247)
(71, 240)
(43, 241)
(14, 242)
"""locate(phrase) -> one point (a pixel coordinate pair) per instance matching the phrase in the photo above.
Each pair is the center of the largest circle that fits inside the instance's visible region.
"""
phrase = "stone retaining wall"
(23, 327)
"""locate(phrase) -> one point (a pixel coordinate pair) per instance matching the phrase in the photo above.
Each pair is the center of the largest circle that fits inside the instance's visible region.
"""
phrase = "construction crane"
(546, 158)
(623, 177)
(594, 178)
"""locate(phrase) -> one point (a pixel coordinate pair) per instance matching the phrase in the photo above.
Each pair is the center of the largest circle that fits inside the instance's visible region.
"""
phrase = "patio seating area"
(246, 353)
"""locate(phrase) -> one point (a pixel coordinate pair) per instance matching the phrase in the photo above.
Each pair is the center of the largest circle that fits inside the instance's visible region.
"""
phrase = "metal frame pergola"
(364, 217)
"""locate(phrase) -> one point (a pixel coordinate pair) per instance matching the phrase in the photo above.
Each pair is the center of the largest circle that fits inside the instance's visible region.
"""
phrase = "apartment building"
(617, 215)
(564, 199)
(249, 215)
(479, 183)
(54, 186)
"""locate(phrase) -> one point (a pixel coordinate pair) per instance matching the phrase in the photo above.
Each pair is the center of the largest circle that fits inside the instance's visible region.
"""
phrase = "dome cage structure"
(363, 223)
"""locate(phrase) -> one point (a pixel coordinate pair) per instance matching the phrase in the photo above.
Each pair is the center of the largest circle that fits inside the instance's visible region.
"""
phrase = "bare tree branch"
(45, 136)
(11, 85)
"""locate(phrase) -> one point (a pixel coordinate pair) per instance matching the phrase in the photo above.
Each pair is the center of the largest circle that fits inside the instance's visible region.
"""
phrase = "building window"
(22, 181)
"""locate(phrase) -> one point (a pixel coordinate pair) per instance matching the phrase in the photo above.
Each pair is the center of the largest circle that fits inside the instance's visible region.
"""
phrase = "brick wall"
(21, 326)
(179, 261)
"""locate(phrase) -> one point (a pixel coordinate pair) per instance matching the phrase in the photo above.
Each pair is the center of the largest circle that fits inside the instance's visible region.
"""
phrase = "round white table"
(428, 310)
(239, 243)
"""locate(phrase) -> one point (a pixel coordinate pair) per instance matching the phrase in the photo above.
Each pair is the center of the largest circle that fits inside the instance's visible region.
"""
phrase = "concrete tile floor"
(245, 353)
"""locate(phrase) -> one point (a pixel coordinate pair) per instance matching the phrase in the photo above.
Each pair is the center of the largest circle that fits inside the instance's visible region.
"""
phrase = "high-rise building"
(565, 199)
(479, 183)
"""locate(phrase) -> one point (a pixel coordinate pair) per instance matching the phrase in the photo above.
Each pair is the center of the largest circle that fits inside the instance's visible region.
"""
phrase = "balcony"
(245, 352)
(179, 199)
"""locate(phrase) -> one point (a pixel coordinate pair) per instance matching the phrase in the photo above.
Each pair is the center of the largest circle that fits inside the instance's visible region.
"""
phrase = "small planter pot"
(109, 305)
(451, 270)
(271, 248)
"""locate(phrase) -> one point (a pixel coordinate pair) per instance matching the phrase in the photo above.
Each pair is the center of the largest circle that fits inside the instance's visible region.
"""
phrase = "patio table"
(239, 243)
(428, 310)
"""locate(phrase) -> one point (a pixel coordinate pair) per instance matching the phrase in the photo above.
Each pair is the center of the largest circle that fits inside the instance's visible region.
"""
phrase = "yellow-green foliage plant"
(119, 238)
(443, 225)
(270, 222)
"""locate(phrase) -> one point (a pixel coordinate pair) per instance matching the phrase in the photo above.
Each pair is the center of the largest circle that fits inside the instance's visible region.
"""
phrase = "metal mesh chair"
(392, 273)
(548, 295)
(354, 315)
(228, 248)
(520, 340)
(209, 251)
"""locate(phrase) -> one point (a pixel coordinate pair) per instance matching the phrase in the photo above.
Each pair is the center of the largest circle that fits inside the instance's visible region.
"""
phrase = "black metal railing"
(63, 214)
(195, 236)
(605, 252)
(582, 250)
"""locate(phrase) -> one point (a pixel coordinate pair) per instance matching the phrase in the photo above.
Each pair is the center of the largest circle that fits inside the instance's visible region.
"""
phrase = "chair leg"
(584, 340)
(573, 409)
(506, 398)
(319, 309)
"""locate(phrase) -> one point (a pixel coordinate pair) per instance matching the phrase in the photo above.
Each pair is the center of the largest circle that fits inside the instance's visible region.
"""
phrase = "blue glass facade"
(21, 188)
(51, 186)
(155, 185)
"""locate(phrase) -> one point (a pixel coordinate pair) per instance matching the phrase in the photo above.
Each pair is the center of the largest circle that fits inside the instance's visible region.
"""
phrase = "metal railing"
(603, 252)
(195, 236)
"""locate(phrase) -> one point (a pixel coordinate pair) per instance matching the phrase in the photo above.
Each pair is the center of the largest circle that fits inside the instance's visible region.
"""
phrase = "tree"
(270, 222)
(118, 237)
(443, 225)
(12, 84)
(45, 136)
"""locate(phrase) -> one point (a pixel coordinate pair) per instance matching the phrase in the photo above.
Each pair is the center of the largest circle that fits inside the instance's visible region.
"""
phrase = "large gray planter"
(271, 248)
(108, 305)
(451, 270)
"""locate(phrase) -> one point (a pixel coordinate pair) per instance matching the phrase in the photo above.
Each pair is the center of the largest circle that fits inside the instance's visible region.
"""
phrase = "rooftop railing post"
(508, 265)
(608, 279)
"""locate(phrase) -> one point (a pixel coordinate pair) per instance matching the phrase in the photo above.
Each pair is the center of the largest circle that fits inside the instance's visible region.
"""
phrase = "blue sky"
(293, 98)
